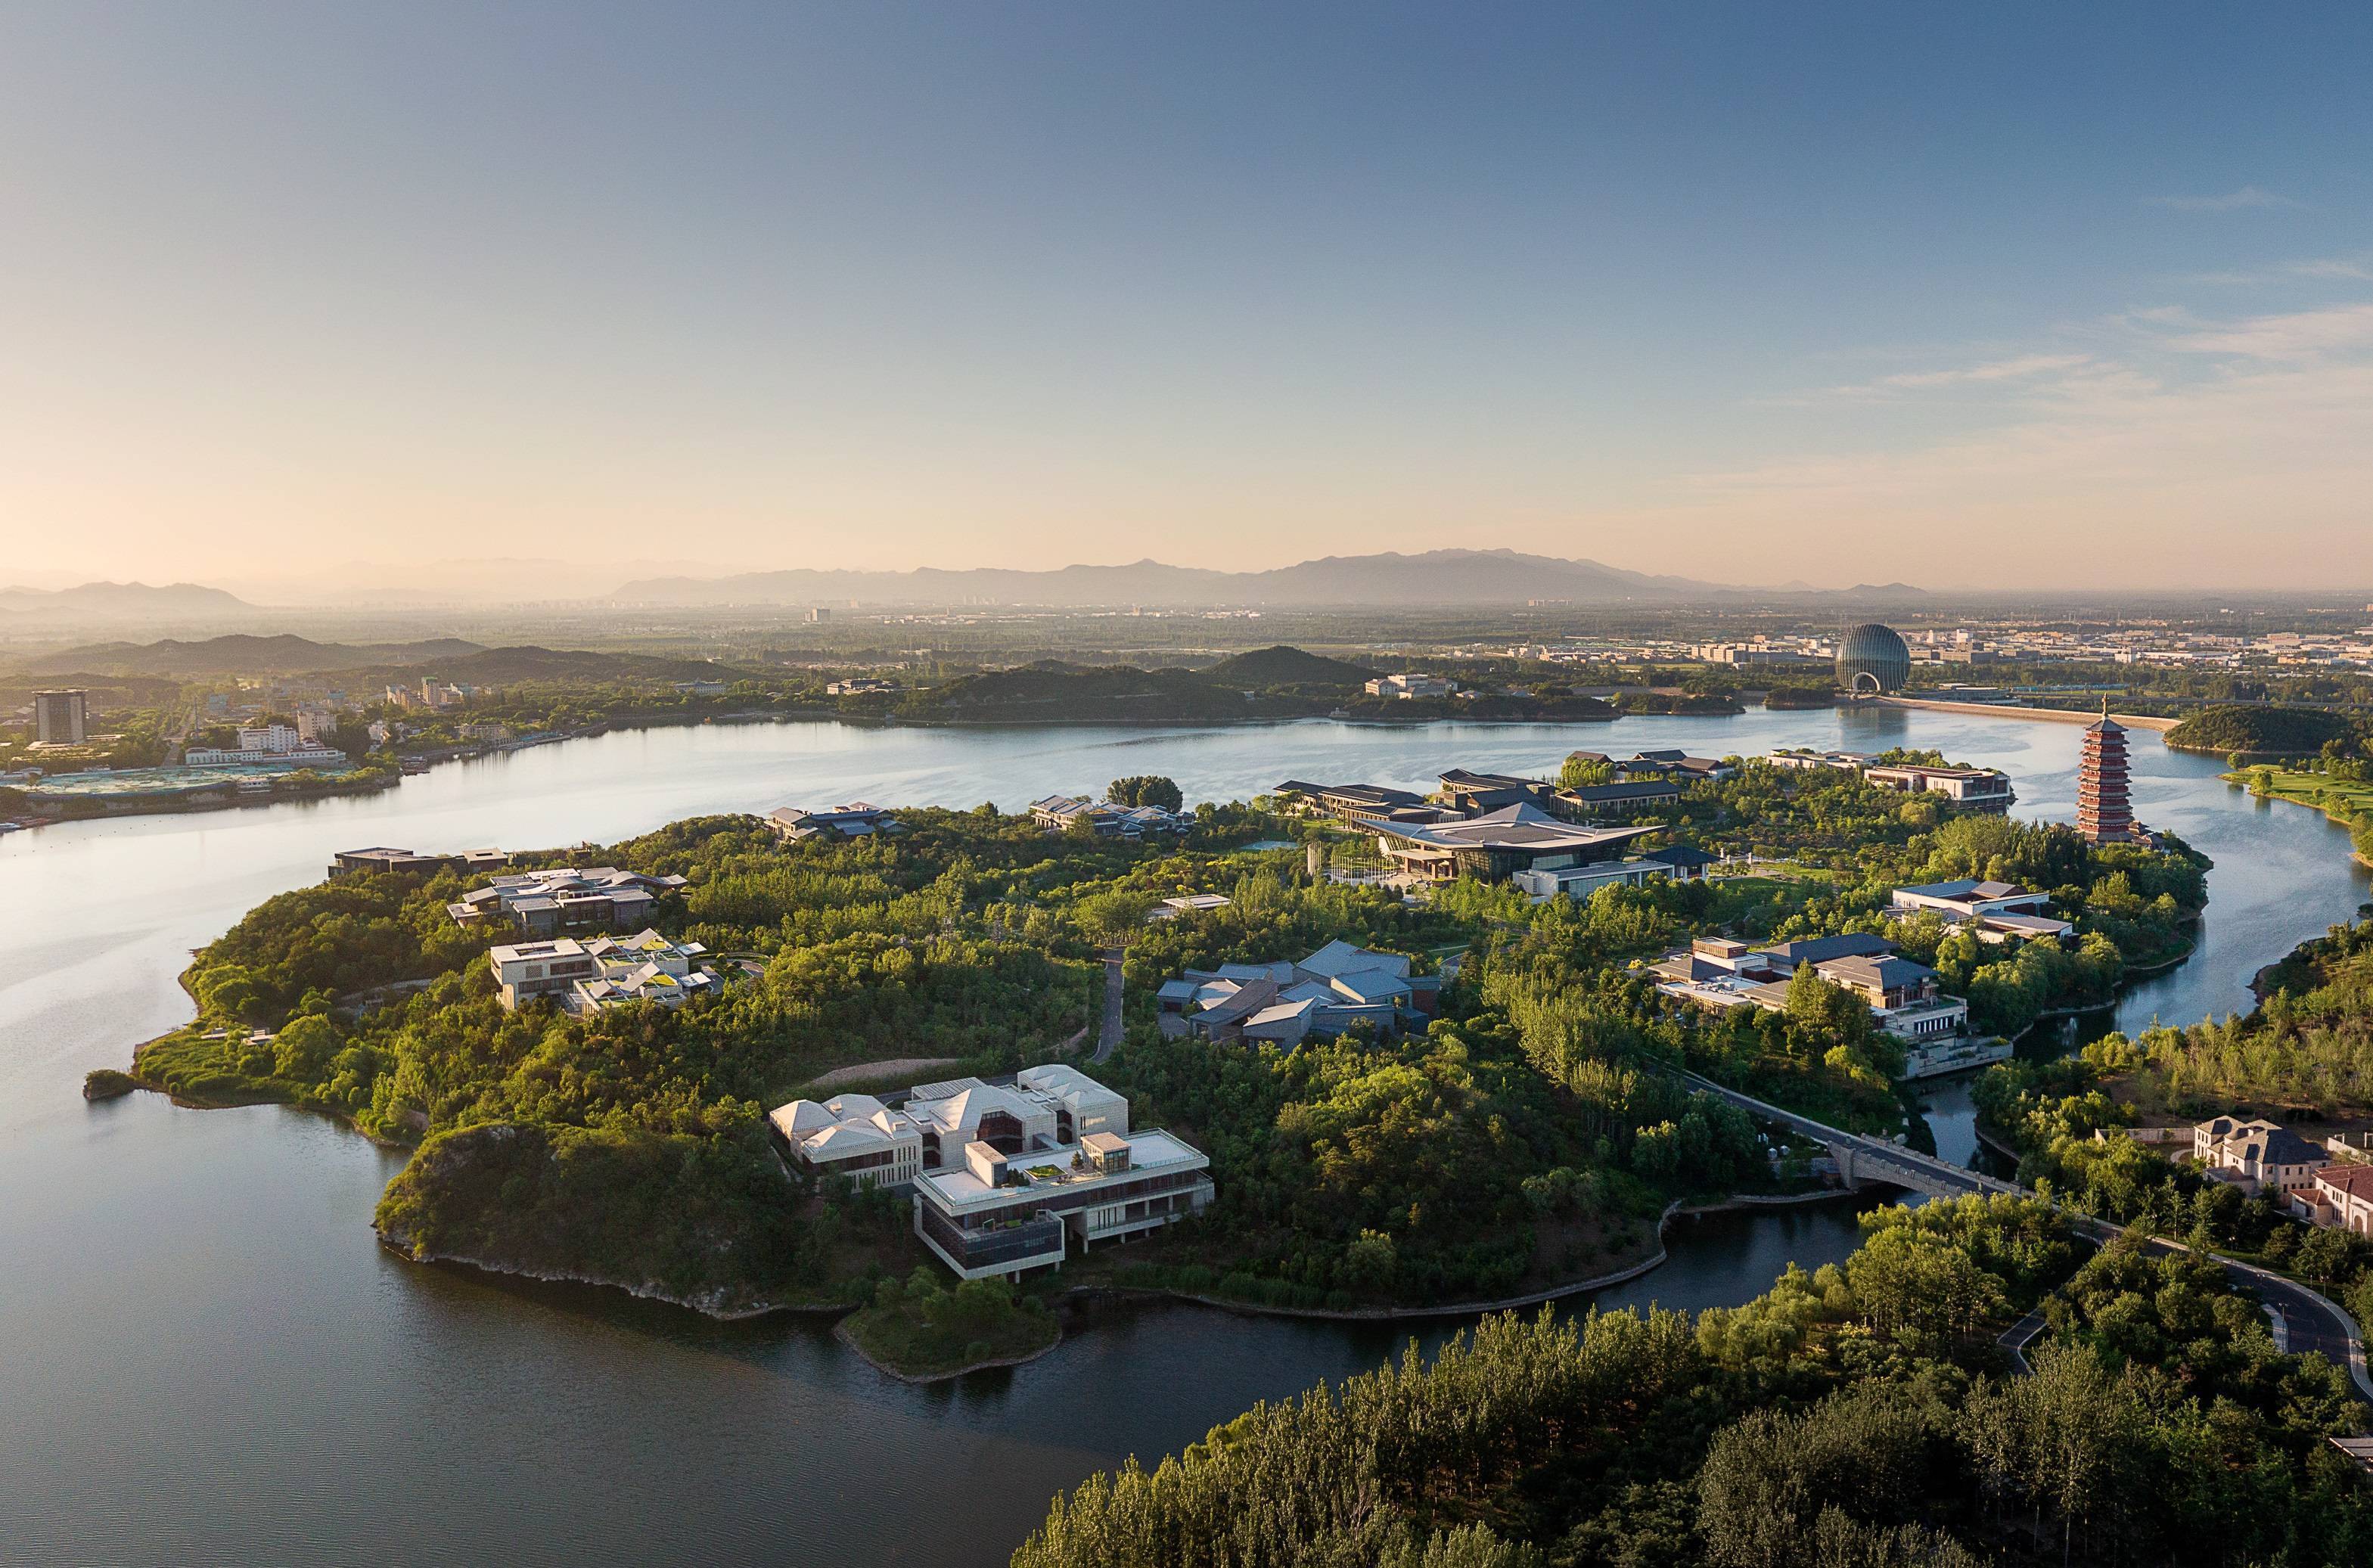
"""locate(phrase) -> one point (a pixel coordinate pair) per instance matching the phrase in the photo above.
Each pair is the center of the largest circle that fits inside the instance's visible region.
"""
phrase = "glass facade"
(1872, 660)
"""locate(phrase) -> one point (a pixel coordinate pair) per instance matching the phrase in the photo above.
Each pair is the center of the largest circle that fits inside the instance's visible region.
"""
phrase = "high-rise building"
(2104, 812)
(62, 718)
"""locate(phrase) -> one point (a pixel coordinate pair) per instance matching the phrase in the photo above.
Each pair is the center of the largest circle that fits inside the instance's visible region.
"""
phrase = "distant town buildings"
(1408, 686)
(62, 717)
(859, 685)
(266, 745)
(413, 861)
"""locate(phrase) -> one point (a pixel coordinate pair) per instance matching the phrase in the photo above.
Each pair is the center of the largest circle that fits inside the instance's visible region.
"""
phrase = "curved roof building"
(1872, 659)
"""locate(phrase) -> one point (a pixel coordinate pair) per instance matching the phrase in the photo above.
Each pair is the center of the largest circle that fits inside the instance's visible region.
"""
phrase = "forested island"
(1531, 1139)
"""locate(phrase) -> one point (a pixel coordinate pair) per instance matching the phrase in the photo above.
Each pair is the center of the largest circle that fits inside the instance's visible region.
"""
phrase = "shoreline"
(840, 1332)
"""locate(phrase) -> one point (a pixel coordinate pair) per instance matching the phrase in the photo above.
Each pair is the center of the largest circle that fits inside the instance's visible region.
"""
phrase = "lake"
(204, 1357)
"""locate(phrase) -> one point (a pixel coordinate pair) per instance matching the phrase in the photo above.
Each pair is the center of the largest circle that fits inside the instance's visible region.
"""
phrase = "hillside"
(243, 654)
(2264, 731)
(1283, 666)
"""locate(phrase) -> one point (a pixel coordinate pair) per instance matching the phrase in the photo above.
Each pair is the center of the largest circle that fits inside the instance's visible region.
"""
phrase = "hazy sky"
(1976, 296)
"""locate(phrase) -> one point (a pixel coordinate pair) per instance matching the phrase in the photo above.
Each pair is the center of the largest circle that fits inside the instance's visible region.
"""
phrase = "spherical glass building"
(1872, 659)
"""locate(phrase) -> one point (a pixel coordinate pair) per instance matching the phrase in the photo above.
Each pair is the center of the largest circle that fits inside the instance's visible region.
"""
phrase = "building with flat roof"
(585, 976)
(1976, 788)
(1996, 911)
(62, 717)
(1006, 1178)
(418, 862)
(1407, 687)
(1497, 844)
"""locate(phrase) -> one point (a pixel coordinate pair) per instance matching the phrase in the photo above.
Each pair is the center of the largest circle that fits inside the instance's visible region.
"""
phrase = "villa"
(1406, 687)
(2259, 1156)
(1325, 994)
(567, 898)
(858, 819)
(1005, 1177)
(1903, 997)
(1976, 788)
(585, 976)
(1107, 819)
(1999, 910)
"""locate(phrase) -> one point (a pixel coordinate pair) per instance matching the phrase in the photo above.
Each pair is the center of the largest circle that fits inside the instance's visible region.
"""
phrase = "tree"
(1114, 918)
(1146, 789)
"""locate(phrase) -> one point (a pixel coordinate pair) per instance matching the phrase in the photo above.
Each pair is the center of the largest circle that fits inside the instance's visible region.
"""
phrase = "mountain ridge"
(1443, 576)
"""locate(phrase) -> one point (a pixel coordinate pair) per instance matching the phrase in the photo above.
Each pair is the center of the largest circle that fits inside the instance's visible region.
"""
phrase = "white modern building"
(1999, 910)
(586, 976)
(1006, 1178)
(1406, 687)
(565, 898)
(267, 745)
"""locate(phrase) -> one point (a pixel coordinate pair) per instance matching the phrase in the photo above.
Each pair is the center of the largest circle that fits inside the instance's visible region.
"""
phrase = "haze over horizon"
(1977, 300)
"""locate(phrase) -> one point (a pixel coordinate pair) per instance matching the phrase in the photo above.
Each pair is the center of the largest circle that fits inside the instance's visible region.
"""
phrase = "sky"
(1978, 297)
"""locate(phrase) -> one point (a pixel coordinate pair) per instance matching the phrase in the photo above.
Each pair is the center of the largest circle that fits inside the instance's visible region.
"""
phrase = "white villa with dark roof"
(858, 819)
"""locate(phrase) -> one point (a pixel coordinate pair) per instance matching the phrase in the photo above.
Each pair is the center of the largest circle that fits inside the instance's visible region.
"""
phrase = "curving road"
(2303, 1320)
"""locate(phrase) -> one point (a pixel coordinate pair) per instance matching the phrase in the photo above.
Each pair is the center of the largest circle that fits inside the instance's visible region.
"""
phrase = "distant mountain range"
(447, 658)
(1436, 576)
(123, 600)
(241, 654)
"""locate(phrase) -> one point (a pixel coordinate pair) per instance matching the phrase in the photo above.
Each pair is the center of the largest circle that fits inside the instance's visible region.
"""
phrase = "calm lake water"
(204, 1357)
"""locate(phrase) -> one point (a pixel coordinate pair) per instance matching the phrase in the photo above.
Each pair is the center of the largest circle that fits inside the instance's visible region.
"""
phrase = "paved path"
(1111, 1035)
(2303, 1320)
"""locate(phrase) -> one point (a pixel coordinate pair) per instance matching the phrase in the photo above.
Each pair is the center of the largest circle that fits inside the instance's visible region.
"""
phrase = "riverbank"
(2040, 715)
(2342, 803)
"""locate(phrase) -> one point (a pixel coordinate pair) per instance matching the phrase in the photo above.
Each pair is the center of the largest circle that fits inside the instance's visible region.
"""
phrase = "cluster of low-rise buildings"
(1005, 1177)
(1106, 819)
(271, 745)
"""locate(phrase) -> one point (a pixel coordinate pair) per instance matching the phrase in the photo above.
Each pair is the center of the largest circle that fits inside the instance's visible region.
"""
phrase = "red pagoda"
(2104, 814)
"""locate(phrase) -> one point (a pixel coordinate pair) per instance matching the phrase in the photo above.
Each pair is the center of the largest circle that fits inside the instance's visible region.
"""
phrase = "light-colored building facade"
(564, 899)
(2257, 1156)
(62, 717)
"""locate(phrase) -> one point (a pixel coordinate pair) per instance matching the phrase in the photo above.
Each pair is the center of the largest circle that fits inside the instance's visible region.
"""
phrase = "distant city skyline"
(1995, 300)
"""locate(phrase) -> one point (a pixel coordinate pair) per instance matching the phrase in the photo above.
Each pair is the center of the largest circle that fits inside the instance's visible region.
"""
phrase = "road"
(2303, 1320)
(1110, 1036)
